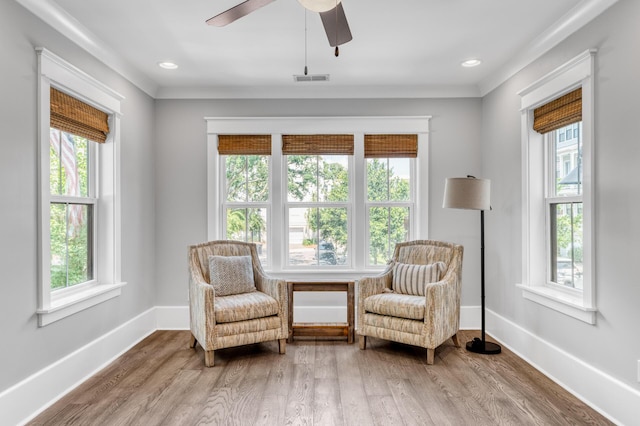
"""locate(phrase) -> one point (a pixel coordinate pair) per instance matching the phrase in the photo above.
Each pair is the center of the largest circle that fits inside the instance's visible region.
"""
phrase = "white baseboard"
(612, 398)
(23, 401)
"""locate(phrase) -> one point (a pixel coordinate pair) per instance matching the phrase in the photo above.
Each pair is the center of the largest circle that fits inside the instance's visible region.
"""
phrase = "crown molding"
(51, 13)
(60, 20)
(568, 24)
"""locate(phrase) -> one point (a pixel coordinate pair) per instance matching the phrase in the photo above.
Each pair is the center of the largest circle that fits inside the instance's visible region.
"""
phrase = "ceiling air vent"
(310, 78)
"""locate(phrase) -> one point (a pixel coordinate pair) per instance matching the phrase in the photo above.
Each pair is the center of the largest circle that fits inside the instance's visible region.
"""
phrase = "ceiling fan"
(331, 12)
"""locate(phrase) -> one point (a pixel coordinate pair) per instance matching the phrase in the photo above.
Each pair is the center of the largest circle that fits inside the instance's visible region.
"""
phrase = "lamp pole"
(481, 346)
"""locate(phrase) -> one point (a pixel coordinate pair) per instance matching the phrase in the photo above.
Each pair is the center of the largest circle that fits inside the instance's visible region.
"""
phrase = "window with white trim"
(558, 204)
(390, 160)
(79, 214)
(319, 211)
(246, 181)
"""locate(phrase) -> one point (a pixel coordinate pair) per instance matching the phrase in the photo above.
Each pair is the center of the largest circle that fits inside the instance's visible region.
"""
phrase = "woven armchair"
(239, 319)
(425, 321)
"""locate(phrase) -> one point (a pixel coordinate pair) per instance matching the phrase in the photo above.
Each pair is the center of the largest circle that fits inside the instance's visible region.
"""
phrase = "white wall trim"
(572, 21)
(26, 399)
(22, 402)
(612, 398)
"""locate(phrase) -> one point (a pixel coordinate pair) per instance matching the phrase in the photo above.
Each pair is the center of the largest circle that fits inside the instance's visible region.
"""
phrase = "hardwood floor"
(163, 382)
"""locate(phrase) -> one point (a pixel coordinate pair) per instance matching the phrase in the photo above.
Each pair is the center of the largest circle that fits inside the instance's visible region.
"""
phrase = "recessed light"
(471, 63)
(168, 65)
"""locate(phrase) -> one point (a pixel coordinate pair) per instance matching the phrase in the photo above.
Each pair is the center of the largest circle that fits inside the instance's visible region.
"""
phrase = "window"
(558, 164)
(315, 197)
(71, 209)
(564, 208)
(318, 203)
(246, 180)
(389, 203)
(79, 199)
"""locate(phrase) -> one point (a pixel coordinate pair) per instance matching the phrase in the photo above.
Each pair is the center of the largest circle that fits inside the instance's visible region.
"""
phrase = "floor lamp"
(473, 194)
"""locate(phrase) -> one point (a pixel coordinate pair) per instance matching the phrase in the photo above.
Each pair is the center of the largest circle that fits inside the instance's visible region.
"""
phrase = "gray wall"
(181, 162)
(25, 348)
(612, 345)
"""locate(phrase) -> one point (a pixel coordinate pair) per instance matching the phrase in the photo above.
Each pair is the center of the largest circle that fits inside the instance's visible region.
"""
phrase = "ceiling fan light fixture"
(319, 5)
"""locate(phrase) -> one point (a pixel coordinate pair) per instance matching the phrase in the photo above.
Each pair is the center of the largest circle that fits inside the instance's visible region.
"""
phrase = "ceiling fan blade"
(336, 26)
(237, 12)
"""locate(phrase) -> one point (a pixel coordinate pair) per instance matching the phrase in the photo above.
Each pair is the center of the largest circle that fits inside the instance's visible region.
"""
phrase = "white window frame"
(536, 286)
(349, 205)
(54, 305)
(244, 204)
(276, 127)
(410, 204)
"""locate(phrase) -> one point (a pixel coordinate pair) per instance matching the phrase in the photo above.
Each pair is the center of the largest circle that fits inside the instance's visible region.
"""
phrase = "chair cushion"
(245, 306)
(231, 274)
(396, 305)
(412, 279)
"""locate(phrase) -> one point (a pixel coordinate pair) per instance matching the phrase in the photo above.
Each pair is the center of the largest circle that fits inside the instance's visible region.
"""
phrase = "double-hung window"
(79, 214)
(318, 201)
(320, 196)
(558, 204)
(246, 203)
(390, 193)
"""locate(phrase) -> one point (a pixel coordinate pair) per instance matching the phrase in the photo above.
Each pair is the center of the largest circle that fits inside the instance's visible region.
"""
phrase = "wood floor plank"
(299, 410)
(162, 381)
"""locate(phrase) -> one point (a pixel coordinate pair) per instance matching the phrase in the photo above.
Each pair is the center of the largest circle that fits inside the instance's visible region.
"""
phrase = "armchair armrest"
(369, 286)
(201, 311)
(442, 309)
(274, 287)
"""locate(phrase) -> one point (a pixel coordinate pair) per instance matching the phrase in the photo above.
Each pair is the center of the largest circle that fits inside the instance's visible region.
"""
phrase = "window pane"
(333, 178)
(247, 178)
(318, 236)
(566, 243)
(567, 157)
(249, 225)
(68, 164)
(302, 177)
(318, 178)
(70, 241)
(387, 226)
(388, 179)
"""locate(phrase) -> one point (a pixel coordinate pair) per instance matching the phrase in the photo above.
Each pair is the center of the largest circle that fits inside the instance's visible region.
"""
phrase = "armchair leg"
(456, 342)
(208, 358)
(192, 341)
(282, 346)
(362, 341)
(431, 354)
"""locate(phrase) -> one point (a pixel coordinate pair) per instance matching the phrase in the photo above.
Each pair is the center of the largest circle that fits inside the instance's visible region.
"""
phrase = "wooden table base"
(338, 330)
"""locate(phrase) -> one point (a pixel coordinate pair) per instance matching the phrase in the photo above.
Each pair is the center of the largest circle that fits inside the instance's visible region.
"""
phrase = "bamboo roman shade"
(244, 144)
(317, 144)
(74, 116)
(558, 113)
(391, 146)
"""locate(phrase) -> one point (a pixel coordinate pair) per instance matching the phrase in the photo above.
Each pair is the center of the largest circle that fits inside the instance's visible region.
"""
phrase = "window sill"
(568, 304)
(77, 302)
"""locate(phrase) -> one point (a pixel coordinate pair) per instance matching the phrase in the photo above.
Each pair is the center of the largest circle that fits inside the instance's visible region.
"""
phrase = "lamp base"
(487, 348)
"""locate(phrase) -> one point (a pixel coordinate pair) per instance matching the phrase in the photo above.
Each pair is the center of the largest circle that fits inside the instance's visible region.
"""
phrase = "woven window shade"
(558, 113)
(244, 144)
(317, 144)
(390, 146)
(74, 116)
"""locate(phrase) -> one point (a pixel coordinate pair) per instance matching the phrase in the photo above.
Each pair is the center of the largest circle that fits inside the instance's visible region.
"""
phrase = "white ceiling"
(406, 48)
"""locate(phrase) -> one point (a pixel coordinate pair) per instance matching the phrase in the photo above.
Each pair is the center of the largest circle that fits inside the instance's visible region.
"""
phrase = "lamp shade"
(319, 5)
(467, 193)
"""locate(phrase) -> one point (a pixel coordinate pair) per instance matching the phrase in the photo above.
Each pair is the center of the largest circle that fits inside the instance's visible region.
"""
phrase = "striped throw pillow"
(231, 275)
(412, 279)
